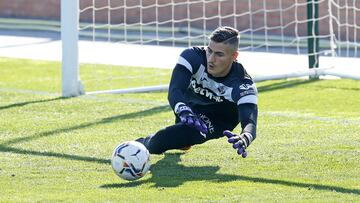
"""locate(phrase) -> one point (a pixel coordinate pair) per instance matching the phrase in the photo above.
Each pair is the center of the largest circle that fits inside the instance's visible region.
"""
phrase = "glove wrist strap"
(181, 107)
(248, 137)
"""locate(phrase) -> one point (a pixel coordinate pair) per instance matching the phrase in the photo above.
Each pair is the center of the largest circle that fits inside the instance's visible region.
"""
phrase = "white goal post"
(71, 84)
(308, 29)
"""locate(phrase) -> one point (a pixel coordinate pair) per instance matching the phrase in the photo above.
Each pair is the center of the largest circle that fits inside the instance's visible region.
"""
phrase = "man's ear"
(235, 55)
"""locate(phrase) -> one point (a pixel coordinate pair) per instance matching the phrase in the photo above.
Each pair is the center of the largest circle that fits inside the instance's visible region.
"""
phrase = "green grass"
(57, 149)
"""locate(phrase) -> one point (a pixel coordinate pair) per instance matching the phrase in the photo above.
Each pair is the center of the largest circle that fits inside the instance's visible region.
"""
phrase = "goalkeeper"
(210, 93)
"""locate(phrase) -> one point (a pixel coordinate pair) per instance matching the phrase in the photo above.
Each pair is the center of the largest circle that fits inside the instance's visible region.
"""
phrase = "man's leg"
(181, 136)
(173, 137)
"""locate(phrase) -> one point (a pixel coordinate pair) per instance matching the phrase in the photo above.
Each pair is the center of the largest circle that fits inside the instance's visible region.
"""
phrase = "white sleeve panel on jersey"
(248, 99)
(184, 62)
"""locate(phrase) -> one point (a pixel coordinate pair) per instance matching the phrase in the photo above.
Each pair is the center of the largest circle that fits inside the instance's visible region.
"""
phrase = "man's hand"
(240, 142)
(189, 118)
(193, 120)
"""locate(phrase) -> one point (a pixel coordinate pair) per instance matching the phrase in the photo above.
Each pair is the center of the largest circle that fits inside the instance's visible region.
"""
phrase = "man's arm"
(180, 81)
(248, 118)
(247, 113)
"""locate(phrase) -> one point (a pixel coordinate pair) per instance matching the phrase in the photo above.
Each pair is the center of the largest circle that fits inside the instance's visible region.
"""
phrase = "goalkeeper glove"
(187, 117)
(240, 142)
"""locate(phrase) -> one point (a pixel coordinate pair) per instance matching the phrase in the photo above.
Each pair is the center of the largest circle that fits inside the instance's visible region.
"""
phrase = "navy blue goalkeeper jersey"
(221, 98)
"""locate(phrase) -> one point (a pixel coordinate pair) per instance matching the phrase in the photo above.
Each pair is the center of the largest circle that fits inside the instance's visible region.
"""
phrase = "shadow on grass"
(169, 173)
(284, 84)
(20, 104)
(147, 112)
(7, 149)
(4, 147)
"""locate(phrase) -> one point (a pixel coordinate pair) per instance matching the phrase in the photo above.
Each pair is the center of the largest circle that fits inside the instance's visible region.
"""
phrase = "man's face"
(220, 57)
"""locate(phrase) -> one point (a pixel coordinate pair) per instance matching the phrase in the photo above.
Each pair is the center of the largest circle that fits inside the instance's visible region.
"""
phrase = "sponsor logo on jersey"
(208, 123)
(198, 89)
(244, 86)
(247, 92)
(247, 89)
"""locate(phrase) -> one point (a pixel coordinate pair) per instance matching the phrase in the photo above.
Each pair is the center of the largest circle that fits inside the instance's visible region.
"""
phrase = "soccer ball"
(130, 160)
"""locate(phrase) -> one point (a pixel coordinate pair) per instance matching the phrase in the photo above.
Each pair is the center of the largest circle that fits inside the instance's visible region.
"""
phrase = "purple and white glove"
(240, 142)
(187, 117)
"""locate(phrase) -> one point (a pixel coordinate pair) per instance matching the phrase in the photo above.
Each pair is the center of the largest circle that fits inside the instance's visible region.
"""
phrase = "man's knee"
(153, 144)
(154, 150)
(173, 137)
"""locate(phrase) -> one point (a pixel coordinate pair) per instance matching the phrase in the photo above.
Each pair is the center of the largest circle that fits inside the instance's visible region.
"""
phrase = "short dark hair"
(226, 35)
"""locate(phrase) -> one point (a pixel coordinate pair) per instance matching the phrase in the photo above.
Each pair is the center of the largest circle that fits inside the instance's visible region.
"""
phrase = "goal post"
(71, 84)
(313, 30)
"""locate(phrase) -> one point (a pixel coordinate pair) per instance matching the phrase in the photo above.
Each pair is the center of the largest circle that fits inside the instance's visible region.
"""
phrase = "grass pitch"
(58, 149)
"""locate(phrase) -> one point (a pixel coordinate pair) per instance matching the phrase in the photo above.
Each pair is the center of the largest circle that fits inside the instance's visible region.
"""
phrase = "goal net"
(295, 35)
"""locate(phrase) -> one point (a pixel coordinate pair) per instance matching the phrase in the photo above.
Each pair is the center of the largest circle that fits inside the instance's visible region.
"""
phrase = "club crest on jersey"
(221, 89)
(198, 89)
(203, 79)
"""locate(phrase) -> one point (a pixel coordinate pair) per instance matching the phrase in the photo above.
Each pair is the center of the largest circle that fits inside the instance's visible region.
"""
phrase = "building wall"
(50, 9)
(39, 9)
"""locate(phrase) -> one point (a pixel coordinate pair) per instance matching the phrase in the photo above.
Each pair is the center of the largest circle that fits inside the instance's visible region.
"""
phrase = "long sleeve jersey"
(232, 98)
